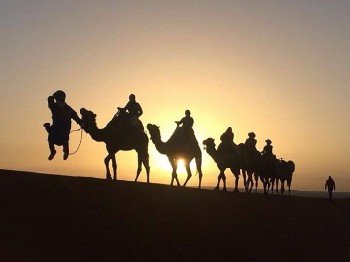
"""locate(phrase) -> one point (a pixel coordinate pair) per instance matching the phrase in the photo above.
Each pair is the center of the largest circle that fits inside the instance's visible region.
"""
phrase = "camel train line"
(118, 135)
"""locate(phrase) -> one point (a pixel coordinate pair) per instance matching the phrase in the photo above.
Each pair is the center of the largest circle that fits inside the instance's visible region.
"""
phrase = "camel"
(224, 158)
(251, 164)
(118, 134)
(285, 171)
(268, 173)
(175, 148)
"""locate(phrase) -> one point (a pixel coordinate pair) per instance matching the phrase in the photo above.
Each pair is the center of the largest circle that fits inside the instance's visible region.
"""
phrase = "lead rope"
(81, 138)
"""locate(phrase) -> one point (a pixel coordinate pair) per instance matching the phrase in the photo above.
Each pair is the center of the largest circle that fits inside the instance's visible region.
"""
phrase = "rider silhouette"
(267, 151)
(227, 140)
(251, 142)
(59, 131)
(134, 109)
(187, 124)
(227, 136)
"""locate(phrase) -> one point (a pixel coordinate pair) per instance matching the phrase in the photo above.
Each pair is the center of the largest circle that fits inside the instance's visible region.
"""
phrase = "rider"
(134, 109)
(59, 131)
(227, 139)
(187, 124)
(251, 142)
(267, 151)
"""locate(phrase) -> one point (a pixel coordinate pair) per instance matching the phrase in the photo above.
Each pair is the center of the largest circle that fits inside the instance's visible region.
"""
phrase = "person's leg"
(65, 150)
(52, 150)
(330, 193)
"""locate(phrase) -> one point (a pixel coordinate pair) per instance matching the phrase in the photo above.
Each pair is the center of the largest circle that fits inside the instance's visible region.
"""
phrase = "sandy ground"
(61, 218)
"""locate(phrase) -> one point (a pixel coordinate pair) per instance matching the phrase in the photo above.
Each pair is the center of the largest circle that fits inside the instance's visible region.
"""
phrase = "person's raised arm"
(140, 111)
(50, 101)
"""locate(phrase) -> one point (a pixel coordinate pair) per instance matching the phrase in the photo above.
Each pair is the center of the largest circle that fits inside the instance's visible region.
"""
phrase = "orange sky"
(278, 69)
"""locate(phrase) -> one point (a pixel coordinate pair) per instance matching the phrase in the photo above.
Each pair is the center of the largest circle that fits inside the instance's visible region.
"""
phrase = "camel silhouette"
(251, 165)
(176, 148)
(118, 134)
(268, 173)
(224, 158)
(285, 170)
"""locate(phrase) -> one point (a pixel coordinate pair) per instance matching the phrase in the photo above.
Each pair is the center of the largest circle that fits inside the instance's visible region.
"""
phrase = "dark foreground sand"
(61, 218)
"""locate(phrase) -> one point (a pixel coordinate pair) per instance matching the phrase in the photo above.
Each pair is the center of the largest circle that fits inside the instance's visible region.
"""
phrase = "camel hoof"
(224, 189)
(216, 188)
(236, 191)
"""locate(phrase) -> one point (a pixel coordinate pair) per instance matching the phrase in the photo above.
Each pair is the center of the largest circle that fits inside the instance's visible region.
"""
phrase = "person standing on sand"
(330, 184)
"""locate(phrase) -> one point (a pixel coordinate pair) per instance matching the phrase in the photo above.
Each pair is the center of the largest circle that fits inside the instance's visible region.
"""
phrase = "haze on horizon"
(278, 68)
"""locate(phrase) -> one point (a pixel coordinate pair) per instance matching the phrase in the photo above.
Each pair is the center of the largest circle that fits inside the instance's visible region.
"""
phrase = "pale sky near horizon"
(278, 68)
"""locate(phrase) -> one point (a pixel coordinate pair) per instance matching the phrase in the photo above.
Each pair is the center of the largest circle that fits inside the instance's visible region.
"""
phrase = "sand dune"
(61, 218)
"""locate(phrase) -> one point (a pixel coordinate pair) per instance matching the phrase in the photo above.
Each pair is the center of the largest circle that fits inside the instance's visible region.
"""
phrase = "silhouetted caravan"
(285, 170)
(119, 134)
(176, 148)
(225, 157)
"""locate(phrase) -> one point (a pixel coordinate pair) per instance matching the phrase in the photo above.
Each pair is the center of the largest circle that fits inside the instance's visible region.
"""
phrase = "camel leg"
(277, 187)
(218, 184)
(236, 174)
(139, 166)
(268, 186)
(256, 182)
(272, 185)
(282, 187)
(289, 183)
(224, 181)
(176, 179)
(108, 172)
(244, 178)
(200, 176)
(114, 166)
(147, 167)
(198, 160)
(174, 174)
(189, 174)
(251, 183)
(236, 183)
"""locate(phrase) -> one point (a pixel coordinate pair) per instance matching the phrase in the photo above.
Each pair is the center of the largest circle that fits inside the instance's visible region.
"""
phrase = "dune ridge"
(63, 218)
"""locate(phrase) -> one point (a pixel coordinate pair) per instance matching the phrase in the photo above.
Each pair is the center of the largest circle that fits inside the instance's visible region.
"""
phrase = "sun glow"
(181, 165)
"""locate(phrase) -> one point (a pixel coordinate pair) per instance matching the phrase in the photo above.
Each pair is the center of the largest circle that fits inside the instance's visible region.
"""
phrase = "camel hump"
(291, 165)
(184, 137)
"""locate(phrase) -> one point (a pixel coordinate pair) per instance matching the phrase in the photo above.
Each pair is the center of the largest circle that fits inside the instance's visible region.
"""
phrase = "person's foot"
(47, 127)
(65, 156)
(52, 155)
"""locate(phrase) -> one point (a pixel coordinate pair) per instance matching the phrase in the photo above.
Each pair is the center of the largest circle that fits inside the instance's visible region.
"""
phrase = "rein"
(81, 138)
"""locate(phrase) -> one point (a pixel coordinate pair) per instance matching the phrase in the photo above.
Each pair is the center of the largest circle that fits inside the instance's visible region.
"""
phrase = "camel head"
(154, 132)
(89, 119)
(209, 143)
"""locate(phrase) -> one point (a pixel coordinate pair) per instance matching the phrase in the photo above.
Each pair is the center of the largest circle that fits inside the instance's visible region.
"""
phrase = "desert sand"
(62, 218)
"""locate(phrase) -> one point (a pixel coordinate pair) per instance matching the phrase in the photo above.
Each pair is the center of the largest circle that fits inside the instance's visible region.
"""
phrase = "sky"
(277, 68)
